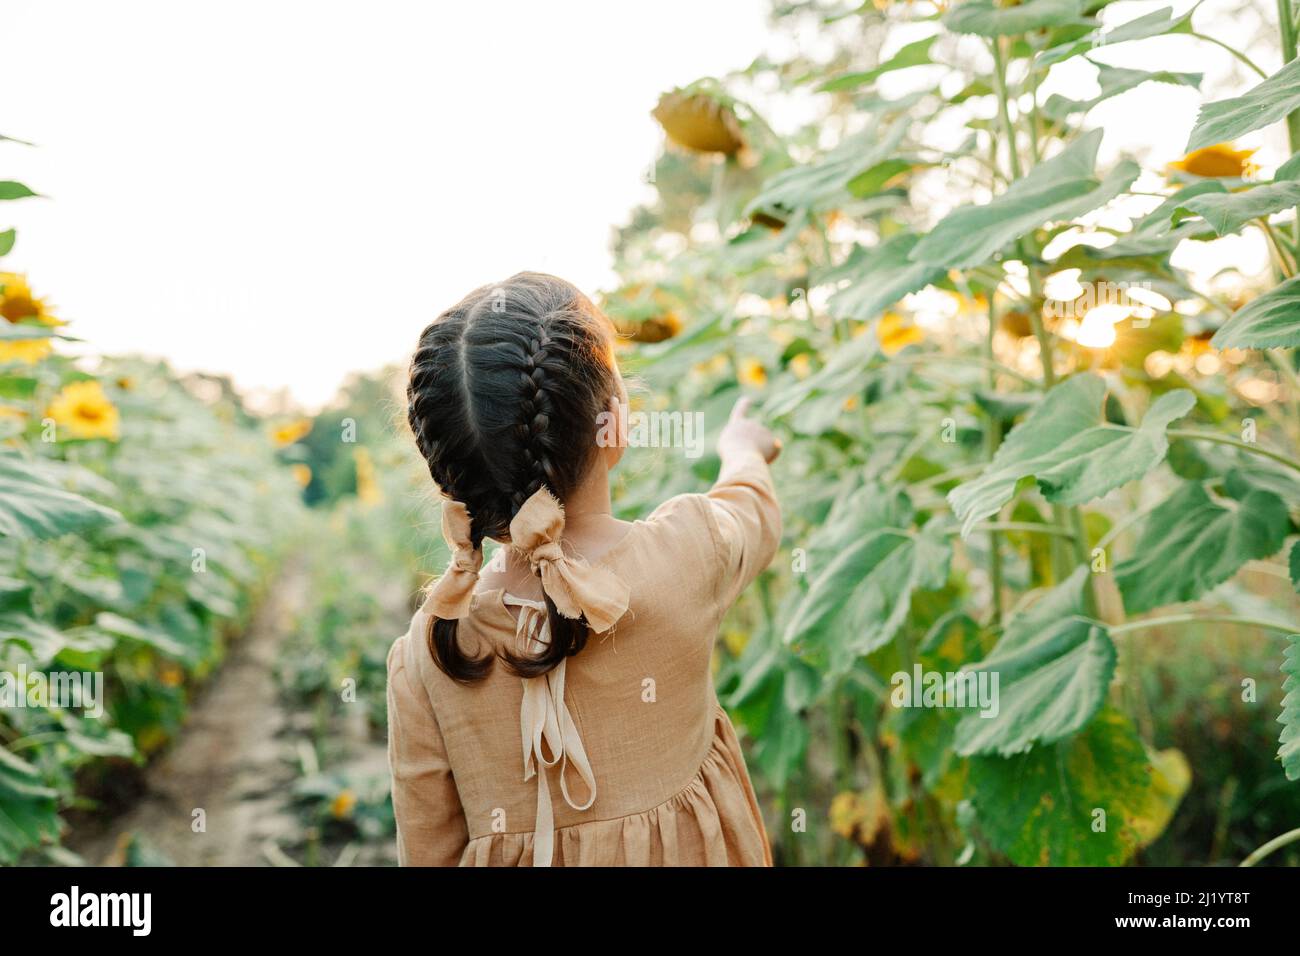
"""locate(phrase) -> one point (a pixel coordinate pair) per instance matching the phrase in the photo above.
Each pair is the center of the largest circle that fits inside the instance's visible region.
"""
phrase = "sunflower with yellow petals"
(85, 411)
(291, 433)
(897, 333)
(1219, 160)
(19, 306)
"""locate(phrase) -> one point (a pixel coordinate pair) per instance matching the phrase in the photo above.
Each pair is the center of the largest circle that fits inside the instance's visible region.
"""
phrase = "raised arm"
(743, 503)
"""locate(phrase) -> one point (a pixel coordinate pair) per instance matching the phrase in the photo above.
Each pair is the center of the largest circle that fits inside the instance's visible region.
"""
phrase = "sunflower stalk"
(1287, 30)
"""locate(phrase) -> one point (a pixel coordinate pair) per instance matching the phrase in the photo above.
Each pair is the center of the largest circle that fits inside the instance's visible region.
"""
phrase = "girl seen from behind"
(557, 708)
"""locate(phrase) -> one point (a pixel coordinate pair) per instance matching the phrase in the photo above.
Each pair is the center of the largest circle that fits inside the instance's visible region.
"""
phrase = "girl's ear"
(616, 411)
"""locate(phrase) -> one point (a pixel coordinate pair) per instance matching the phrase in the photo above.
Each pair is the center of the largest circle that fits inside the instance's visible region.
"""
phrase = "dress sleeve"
(431, 828)
(745, 520)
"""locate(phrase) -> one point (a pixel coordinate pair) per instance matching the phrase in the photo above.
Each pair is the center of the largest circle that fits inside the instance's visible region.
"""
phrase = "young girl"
(559, 709)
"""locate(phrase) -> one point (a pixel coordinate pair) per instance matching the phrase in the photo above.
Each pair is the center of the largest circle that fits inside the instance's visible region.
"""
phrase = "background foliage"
(982, 470)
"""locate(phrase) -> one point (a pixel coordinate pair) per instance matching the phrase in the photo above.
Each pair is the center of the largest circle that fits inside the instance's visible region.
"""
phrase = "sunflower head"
(26, 351)
(752, 373)
(84, 411)
(1221, 159)
(897, 333)
(18, 304)
(699, 121)
(342, 806)
(291, 432)
(1016, 322)
(368, 491)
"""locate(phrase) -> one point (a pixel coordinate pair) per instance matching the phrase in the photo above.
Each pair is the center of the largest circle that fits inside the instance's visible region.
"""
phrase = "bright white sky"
(287, 191)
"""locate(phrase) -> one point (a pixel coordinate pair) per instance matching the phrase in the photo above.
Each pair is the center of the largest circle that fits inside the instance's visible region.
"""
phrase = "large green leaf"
(32, 507)
(1157, 23)
(824, 183)
(1059, 189)
(859, 601)
(1066, 445)
(28, 809)
(1270, 321)
(1288, 170)
(1268, 102)
(880, 277)
(1152, 234)
(1053, 667)
(987, 19)
(1091, 800)
(1190, 544)
(120, 626)
(1288, 750)
(1227, 212)
(913, 54)
(40, 640)
(1113, 81)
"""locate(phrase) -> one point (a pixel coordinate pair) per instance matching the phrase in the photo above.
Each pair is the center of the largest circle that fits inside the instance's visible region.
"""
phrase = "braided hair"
(504, 396)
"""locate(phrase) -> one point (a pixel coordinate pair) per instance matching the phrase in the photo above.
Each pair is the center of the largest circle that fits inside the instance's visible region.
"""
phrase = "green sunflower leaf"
(1068, 448)
(1268, 102)
(1271, 321)
(1190, 544)
(1059, 189)
(1288, 750)
(1053, 667)
(1091, 800)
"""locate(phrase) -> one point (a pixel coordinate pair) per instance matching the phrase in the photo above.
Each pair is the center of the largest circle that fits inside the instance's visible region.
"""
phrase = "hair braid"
(503, 399)
(536, 408)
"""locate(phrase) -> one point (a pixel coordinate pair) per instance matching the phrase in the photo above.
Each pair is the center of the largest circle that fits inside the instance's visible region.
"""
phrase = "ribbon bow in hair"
(452, 593)
(576, 587)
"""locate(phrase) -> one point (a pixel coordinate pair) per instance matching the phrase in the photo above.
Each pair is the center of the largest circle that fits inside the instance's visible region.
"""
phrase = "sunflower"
(699, 122)
(1016, 322)
(896, 333)
(301, 474)
(27, 351)
(654, 329)
(85, 411)
(342, 805)
(367, 487)
(17, 304)
(801, 365)
(1221, 159)
(751, 372)
(291, 432)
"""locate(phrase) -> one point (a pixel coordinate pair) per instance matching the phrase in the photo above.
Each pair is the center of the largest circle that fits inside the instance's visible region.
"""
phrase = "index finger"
(742, 406)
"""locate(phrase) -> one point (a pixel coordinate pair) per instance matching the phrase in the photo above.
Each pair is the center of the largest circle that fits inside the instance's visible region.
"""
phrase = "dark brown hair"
(504, 397)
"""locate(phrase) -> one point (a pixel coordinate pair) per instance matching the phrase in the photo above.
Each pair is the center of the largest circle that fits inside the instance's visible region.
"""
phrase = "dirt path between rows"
(227, 762)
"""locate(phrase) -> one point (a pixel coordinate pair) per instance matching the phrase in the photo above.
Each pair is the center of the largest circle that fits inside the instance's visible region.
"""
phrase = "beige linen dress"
(632, 720)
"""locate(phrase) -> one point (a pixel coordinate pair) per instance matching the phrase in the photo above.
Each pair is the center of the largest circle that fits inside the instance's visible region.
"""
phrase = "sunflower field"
(141, 516)
(1022, 439)
(1035, 449)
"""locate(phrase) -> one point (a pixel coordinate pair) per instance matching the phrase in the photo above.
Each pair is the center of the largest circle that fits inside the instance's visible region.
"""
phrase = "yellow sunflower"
(27, 351)
(17, 304)
(367, 487)
(897, 333)
(85, 411)
(291, 433)
(697, 121)
(342, 805)
(301, 474)
(751, 372)
(1221, 159)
